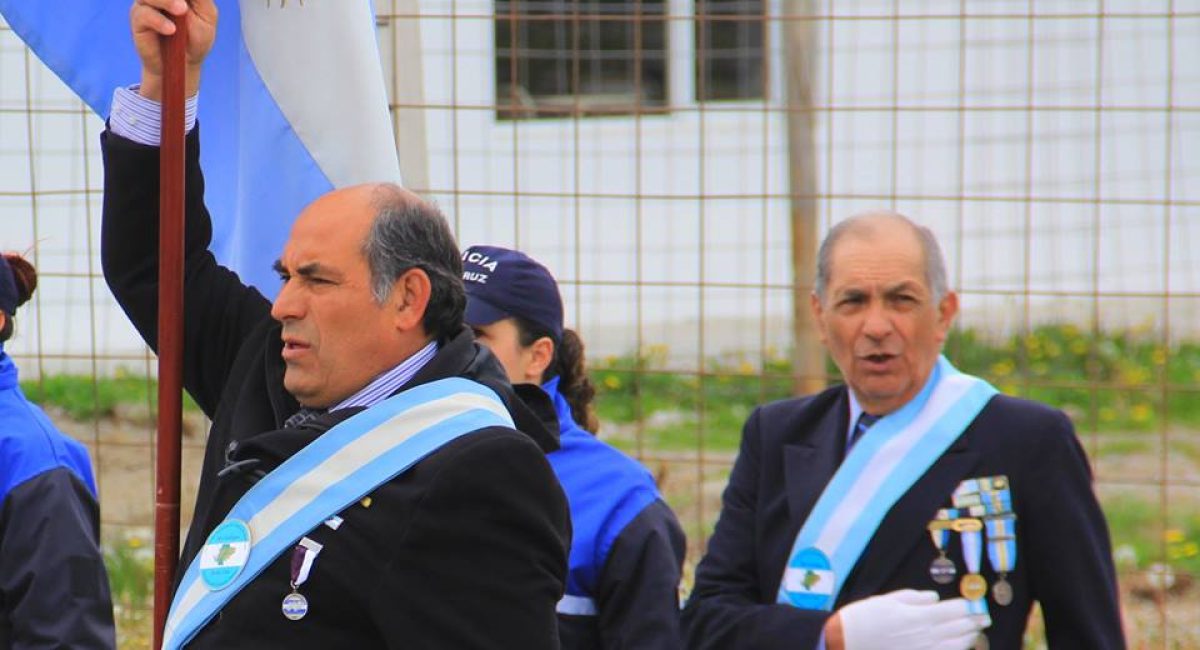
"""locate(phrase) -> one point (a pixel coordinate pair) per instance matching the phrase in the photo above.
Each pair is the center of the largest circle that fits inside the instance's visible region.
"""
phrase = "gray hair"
(407, 234)
(935, 264)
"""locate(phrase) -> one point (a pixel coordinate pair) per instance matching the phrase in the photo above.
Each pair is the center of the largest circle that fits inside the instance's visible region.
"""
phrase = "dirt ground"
(122, 452)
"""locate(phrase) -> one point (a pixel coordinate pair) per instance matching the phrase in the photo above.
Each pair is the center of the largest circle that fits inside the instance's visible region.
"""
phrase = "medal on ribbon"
(973, 586)
(1002, 554)
(295, 605)
(942, 569)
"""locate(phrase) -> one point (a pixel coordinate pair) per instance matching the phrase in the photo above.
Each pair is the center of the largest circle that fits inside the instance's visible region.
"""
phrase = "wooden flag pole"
(170, 324)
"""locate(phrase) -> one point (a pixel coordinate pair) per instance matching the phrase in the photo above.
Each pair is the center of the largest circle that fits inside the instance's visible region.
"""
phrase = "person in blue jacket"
(54, 591)
(627, 547)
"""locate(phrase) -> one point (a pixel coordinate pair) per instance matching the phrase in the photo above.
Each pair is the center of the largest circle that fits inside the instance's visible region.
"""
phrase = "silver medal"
(942, 570)
(295, 606)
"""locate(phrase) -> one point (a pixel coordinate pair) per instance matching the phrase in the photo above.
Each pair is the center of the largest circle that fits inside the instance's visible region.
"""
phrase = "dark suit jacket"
(791, 449)
(466, 549)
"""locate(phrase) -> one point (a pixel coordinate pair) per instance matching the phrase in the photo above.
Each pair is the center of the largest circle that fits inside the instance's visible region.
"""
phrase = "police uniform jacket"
(627, 550)
(790, 450)
(467, 549)
(53, 587)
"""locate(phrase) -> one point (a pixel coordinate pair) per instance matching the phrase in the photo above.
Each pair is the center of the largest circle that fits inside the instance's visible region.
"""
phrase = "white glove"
(910, 620)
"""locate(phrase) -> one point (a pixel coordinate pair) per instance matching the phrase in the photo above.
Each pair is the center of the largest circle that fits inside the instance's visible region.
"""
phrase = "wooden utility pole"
(800, 64)
(408, 85)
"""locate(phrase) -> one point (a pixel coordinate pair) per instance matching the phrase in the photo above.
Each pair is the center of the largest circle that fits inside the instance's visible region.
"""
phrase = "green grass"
(85, 398)
(130, 572)
(1136, 526)
(1110, 381)
(130, 566)
(1119, 381)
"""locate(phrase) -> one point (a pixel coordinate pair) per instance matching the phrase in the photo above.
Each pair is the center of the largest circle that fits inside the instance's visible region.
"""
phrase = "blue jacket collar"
(8, 370)
(561, 408)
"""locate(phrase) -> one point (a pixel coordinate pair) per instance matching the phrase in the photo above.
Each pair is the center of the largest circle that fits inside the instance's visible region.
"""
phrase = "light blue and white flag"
(293, 104)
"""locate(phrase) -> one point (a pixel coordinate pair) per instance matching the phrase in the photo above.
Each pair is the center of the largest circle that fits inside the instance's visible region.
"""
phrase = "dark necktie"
(300, 417)
(864, 422)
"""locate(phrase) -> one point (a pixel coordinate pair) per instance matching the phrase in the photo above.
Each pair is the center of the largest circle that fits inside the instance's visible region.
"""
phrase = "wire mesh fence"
(673, 164)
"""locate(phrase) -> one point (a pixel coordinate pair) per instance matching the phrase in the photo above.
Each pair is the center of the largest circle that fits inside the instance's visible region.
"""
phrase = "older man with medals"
(371, 479)
(914, 507)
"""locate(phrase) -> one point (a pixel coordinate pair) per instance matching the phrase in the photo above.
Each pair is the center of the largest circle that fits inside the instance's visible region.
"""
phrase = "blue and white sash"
(881, 467)
(334, 471)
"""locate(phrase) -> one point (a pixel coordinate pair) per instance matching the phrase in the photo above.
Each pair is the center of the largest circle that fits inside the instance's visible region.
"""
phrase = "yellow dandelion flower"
(1135, 376)
(1159, 356)
(135, 542)
(1183, 551)
(1141, 412)
(612, 382)
(1053, 349)
(1173, 536)
(1003, 368)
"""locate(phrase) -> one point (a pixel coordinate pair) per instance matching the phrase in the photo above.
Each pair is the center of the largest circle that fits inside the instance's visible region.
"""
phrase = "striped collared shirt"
(136, 118)
(391, 381)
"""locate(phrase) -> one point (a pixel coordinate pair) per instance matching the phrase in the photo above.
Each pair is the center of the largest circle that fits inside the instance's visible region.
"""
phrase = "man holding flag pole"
(371, 479)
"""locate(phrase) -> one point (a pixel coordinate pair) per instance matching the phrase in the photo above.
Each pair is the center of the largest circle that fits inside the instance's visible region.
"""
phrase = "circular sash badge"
(224, 554)
(808, 581)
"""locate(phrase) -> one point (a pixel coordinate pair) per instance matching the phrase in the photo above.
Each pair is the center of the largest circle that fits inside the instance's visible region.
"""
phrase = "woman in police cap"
(53, 587)
(627, 547)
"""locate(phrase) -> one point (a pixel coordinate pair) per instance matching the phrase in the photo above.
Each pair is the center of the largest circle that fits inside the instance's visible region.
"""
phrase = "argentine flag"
(292, 105)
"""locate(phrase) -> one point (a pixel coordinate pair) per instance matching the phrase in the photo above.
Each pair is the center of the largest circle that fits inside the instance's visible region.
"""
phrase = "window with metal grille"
(729, 49)
(560, 58)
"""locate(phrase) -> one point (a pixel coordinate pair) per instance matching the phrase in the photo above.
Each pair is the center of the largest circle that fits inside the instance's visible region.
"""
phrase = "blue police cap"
(503, 283)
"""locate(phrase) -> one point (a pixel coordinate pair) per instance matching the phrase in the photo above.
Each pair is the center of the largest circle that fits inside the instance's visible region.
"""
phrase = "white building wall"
(1055, 158)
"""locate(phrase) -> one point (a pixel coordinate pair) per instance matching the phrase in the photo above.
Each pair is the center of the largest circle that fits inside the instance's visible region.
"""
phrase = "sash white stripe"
(365, 449)
(891, 454)
(191, 597)
(336, 468)
(576, 606)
